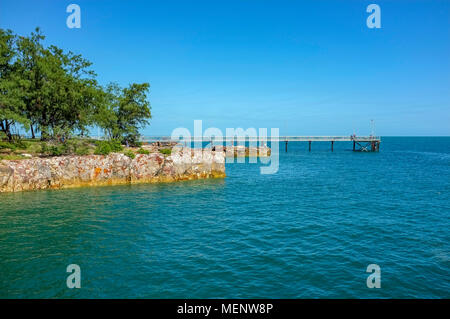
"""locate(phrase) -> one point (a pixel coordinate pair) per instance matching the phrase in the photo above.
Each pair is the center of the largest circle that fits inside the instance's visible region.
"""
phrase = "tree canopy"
(46, 90)
(12, 106)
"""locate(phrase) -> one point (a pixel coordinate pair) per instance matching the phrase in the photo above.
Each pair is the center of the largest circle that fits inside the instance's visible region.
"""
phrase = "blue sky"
(306, 67)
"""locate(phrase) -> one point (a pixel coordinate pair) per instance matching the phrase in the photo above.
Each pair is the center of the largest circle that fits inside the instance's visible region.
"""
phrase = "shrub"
(6, 145)
(57, 150)
(70, 146)
(18, 144)
(143, 151)
(166, 151)
(116, 146)
(130, 154)
(82, 151)
(103, 149)
(64, 148)
(106, 147)
(44, 148)
(52, 150)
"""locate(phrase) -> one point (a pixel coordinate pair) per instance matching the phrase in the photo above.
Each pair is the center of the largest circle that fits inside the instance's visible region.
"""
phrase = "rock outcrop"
(243, 151)
(113, 169)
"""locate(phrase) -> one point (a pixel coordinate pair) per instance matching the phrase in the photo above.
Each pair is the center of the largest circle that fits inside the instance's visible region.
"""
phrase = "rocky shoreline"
(113, 169)
(116, 168)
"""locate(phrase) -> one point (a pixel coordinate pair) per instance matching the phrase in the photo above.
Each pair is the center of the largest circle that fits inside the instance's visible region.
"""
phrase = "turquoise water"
(308, 231)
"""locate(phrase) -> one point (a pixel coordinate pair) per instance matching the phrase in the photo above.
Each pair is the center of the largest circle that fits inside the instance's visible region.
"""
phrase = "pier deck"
(360, 143)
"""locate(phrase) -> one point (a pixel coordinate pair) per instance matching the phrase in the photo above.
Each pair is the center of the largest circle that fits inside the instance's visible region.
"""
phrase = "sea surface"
(308, 231)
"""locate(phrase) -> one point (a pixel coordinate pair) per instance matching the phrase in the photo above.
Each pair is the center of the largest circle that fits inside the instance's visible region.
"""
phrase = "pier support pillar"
(310, 146)
(354, 146)
(286, 145)
(377, 146)
(332, 146)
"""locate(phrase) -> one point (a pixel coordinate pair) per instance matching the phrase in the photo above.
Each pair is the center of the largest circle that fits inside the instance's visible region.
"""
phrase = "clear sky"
(306, 67)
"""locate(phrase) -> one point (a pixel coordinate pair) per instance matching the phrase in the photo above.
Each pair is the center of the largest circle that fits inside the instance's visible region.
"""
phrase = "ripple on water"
(308, 231)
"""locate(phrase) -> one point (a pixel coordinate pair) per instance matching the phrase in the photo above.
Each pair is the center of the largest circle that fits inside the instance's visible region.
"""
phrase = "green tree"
(106, 114)
(125, 111)
(61, 91)
(30, 64)
(47, 90)
(11, 95)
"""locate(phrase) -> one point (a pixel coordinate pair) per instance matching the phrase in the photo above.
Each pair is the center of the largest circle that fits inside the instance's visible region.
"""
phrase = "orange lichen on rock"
(97, 171)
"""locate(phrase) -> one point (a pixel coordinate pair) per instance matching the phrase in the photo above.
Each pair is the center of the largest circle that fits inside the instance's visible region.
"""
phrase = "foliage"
(125, 111)
(13, 145)
(7, 145)
(53, 150)
(130, 154)
(44, 148)
(103, 149)
(165, 151)
(115, 145)
(56, 150)
(20, 144)
(47, 90)
(143, 151)
(11, 96)
(106, 147)
(72, 146)
(60, 89)
(82, 151)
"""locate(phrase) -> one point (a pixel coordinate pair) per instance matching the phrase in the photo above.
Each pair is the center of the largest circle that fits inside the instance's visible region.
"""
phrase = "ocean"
(308, 231)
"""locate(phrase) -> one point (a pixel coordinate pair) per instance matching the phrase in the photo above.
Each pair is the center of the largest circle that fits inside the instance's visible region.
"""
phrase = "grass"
(73, 146)
(143, 151)
(166, 151)
(36, 147)
(11, 157)
(130, 154)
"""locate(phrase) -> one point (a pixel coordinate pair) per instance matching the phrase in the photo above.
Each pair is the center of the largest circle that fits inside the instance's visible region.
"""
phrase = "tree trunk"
(5, 127)
(8, 130)
(32, 132)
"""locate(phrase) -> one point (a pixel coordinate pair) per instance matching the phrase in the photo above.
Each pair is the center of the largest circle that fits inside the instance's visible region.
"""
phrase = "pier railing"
(268, 138)
(360, 143)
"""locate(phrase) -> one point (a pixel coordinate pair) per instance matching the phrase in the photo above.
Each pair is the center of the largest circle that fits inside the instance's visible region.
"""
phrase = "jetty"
(360, 143)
